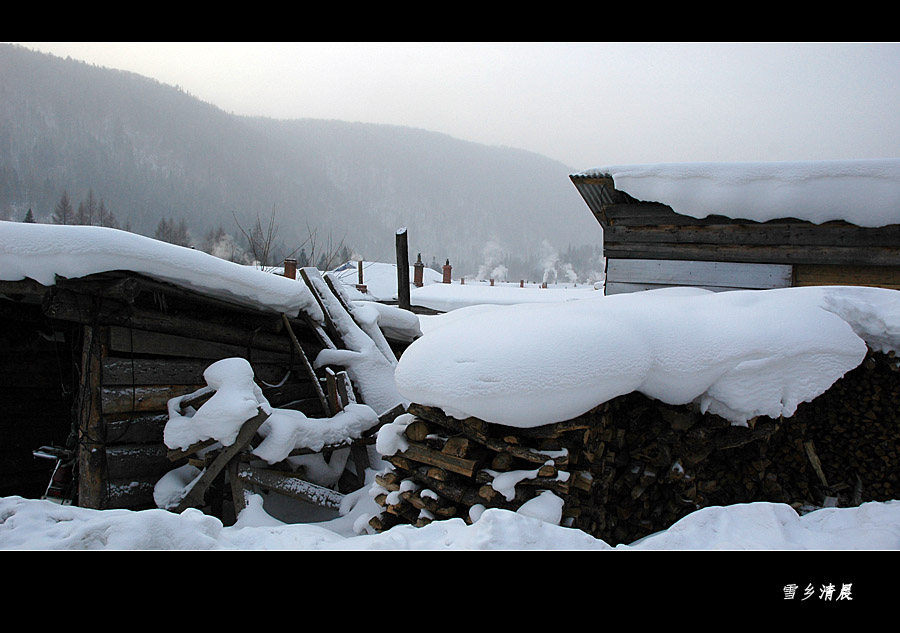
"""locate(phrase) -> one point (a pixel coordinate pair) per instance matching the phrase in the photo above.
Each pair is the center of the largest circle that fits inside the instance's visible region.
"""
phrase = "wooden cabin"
(648, 245)
(91, 363)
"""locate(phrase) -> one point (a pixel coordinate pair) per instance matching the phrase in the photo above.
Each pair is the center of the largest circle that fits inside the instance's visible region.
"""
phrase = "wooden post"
(402, 270)
(92, 478)
(360, 285)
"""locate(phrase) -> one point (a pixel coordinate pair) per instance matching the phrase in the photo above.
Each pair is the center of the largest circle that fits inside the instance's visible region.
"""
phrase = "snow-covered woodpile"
(633, 465)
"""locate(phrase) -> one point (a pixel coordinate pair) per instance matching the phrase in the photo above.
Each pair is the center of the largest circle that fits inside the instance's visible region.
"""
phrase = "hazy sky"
(584, 104)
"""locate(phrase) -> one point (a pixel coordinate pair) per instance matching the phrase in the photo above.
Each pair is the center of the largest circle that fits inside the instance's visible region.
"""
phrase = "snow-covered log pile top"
(862, 192)
(738, 354)
(43, 252)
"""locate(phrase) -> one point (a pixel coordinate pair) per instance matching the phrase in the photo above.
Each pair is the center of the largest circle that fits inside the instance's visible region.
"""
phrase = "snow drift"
(737, 354)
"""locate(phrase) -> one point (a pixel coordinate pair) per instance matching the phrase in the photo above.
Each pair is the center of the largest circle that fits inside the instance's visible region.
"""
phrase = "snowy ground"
(27, 524)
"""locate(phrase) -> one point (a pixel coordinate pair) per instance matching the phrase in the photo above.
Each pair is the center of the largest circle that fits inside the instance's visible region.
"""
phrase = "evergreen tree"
(29, 217)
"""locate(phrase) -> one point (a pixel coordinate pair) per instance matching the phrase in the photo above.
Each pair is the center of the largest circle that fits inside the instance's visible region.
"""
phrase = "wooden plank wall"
(142, 370)
(832, 253)
(631, 275)
(654, 231)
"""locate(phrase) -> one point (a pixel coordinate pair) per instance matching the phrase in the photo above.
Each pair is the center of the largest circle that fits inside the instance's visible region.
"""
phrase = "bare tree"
(260, 242)
(87, 209)
(63, 213)
(261, 246)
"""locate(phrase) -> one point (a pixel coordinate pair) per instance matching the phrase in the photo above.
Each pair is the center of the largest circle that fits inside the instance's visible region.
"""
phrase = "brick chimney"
(419, 272)
(290, 268)
(447, 272)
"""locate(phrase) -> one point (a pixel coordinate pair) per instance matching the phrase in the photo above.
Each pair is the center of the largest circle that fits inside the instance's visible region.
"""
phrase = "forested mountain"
(152, 154)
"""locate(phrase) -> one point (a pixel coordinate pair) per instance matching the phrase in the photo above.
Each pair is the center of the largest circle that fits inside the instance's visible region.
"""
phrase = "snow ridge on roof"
(43, 252)
(862, 192)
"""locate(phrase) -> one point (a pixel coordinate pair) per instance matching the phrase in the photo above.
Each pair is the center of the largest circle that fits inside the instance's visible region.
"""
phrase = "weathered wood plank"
(612, 288)
(827, 275)
(144, 371)
(135, 428)
(136, 460)
(764, 234)
(120, 399)
(873, 256)
(697, 273)
(128, 341)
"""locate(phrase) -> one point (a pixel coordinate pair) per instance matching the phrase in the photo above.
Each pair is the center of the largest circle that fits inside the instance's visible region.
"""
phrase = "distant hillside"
(151, 151)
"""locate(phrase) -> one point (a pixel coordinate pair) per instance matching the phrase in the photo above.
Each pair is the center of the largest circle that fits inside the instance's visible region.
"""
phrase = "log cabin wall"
(136, 344)
(642, 238)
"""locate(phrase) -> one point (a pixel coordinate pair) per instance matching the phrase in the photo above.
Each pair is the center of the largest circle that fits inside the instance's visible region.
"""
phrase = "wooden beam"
(195, 495)
(92, 475)
(290, 485)
(307, 365)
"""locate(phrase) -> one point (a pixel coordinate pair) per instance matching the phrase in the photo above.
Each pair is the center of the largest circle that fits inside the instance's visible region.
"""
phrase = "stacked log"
(451, 466)
(634, 465)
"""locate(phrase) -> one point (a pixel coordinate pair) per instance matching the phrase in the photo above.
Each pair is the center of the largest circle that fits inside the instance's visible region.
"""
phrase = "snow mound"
(737, 354)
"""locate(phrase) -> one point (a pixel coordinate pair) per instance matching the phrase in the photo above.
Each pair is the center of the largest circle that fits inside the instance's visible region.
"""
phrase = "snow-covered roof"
(452, 296)
(738, 354)
(43, 252)
(862, 192)
(379, 278)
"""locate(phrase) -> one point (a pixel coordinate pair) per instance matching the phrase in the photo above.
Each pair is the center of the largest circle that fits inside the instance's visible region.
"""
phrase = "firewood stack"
(634, 465)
